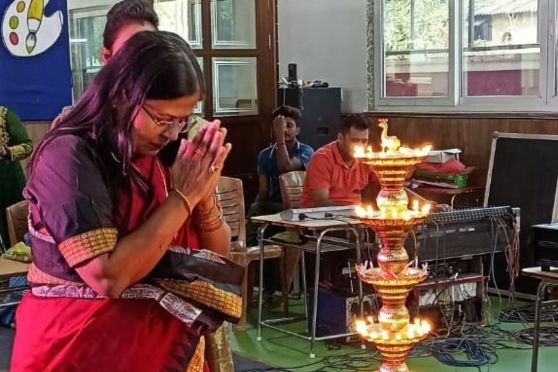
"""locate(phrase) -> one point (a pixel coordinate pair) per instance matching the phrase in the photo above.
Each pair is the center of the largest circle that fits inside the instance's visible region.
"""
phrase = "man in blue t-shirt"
(285, 155)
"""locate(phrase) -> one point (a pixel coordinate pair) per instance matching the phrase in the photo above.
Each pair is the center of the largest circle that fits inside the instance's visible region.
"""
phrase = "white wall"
(327, 41)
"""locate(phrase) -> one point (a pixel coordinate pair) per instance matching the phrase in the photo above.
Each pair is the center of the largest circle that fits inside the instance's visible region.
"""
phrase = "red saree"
(68, 334)
(64, 326)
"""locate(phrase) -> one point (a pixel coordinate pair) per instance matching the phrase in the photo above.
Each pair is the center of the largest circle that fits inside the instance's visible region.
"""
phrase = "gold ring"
(213, 168)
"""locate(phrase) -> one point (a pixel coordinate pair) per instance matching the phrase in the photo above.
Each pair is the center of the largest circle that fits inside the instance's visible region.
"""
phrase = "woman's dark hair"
(151, 65)
(125, 13)
(288, 112)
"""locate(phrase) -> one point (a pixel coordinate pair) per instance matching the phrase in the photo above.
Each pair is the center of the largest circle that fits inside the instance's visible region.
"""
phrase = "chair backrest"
(231, 197)
(291, 188)
(17, 221)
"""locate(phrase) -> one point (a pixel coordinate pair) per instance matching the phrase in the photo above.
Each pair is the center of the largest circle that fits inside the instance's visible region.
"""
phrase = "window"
(232, 39)
(233, 24)
(234, 86)
(227, 48)
(466, 55)
(86, 39)
(509, 63)
(416, 41)
(182, 17)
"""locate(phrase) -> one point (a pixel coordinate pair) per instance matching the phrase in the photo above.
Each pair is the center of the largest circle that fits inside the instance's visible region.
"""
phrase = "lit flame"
(426, 149)
(367, 153)
(361, 327)
(366, 211)
(424, 327)
(374, 332)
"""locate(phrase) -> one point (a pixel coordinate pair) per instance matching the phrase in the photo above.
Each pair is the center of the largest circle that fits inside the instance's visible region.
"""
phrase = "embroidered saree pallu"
(206, 279)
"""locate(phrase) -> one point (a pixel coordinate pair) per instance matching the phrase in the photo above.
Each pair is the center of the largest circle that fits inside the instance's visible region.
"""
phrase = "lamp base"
(393, 368)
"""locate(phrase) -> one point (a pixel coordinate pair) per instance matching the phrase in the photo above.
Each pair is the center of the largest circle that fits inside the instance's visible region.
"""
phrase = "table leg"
(315, 303)
(360, 294)
(304, 288)
(536, 327)
(260, 284)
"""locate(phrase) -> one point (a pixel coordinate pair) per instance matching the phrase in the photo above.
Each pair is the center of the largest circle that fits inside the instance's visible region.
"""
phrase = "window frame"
(545, 101)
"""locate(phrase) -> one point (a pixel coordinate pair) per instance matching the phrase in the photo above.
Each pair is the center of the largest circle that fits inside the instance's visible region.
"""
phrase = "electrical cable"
(467, 345)
(548, 336)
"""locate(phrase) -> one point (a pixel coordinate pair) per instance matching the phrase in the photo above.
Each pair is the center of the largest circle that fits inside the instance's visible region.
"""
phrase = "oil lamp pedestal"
(393, 279)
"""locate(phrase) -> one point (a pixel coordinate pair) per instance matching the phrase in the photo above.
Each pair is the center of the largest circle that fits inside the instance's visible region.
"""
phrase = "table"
(318, 243)
(10, 269)
(548, 278)
(443, 195)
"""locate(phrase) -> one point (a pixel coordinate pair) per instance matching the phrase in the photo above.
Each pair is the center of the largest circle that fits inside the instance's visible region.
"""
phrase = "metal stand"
(548, 279)
(323, 244)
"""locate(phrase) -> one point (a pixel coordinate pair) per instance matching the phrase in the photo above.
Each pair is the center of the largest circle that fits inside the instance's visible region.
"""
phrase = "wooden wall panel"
(472, 133)
(248, 138)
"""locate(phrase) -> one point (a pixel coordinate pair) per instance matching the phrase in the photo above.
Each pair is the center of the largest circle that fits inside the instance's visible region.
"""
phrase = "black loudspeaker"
(336, 313)
(321, 113)
(292, 72)
(529, 184)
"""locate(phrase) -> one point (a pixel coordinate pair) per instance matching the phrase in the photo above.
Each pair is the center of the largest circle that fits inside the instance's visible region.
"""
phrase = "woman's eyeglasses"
(180, 123)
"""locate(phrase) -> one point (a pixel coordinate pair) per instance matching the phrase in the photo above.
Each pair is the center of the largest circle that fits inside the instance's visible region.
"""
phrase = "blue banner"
(35, 72)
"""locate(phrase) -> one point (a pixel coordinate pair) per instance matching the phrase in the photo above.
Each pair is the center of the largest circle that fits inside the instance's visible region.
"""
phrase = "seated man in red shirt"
(333, 176)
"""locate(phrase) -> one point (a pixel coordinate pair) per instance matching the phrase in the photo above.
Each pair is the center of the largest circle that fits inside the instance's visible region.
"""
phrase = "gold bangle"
(203, 215)
(199, 216)
(209, 222)
(185, 200)
(207, 228)
(207, 217)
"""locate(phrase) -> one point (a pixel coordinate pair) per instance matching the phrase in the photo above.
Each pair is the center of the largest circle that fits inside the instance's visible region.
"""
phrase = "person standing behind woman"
(100, 223)
(124, 20)
(15, 145)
